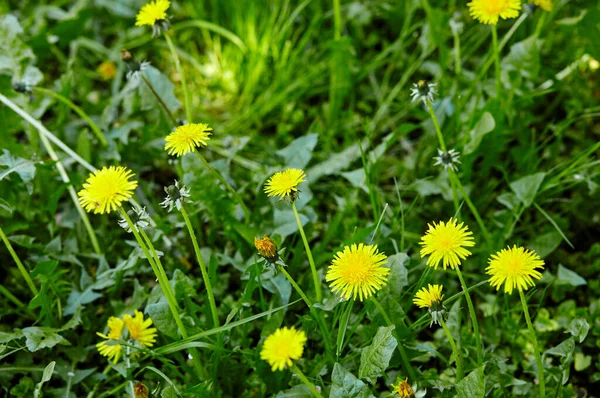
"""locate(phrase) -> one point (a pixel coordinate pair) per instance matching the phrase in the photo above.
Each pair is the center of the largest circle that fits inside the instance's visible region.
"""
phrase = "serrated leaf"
(41, 337)
(472, 386)
(299, 152)
(398, 279)
(375, 358)
(579, 328)
(484, 126)
(24, 168)
(299, 391)
(78, 299)
(162, 85)
(346, 385)
(526, 188)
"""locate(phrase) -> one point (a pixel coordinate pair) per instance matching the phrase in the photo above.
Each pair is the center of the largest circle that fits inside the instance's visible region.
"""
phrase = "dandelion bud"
(266, 248)
(140, 390)
(126, 56)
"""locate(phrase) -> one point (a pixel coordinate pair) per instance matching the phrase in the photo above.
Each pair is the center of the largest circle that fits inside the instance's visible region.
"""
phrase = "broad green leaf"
(567, 277)
(545, 244)
(41, 337)
(472, 386)
(357, 178)
(579, 328)
(398, 279)
(24, 168)
(78, 299)
(169, 392)
(375, 358)
(582, 361)
(484, 126)
(346, 385)
(162, 318)
(46, 376)
(298, 391)
(163, 86)
(299, 152)
(527, 187)
(524, 58)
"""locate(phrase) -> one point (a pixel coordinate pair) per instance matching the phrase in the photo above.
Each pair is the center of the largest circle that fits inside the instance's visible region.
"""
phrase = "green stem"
(460, 372)
(457, 63)
(311, 261)
(77, 110)
(186, 94)
(297, 288)
(20, 265)
(473, 317)
(438, 130)
(305, 380)
(205, 276)
(496, 61)
(406, 362)
(11, 297)
(471, 206)
(160, 101)
(538, 357)
(233, 192)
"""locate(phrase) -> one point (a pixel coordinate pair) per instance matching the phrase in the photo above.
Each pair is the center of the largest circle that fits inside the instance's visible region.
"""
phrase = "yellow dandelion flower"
(152, 12)
(446, 242)
(428, 296)
(514, 267)
(285, 184)
(107, 70)
(187, 138)
(282, 347)
(545, 5)
(106, 189)
(403, 389)
(358, 271)
(111, 350)
(266, 248)
(488, 11)
(140, 329)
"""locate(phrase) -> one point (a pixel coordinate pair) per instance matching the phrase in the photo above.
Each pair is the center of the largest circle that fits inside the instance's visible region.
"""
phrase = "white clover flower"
(139, 217)
(423, 91)
(447, 159)
(176, 196)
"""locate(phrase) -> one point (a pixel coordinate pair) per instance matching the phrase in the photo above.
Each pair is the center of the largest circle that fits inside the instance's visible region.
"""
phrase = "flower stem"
(496, 61)
(473, 317)
(297, 288)
(233, 192)
(457, 60)
(305, 380)
(20, 265)
(405, 361)
(186, 94)
(460, 372)
(160, 101)
(160, 274)
(311, 261)
(77, 110)
(205, 276)
(438, 130)
(538, 357)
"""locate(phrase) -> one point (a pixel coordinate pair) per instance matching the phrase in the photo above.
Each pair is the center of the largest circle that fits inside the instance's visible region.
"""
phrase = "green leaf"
(484, 126)
(472, 386)
(46, 376)
(527, 187)
(299, 152)
(582, 362)
(41, 337)
(168, 392)
(162, 318)
(545, 244)
(579, 328)
(346, 385)
(398, 279)
(24, 168)
(375, 358)
(299, 391)
(567, 277)
(78, 299)
(162, 85)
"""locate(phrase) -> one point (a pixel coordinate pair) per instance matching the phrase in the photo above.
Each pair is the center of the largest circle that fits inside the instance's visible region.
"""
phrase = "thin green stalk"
(163, 281)
(11, 297)
(186, 94)
(160, 101)
(473, 317)
(260, 288)
(454, 181)
(205, 277)
(342, 327)
(457, 60)
(496, 61)
(77, 110)
(460, 369)
(311, 261)
(20, 265)
(305, 380)
(405, 361)
(233, 192)
(297, 288)
(538, 357)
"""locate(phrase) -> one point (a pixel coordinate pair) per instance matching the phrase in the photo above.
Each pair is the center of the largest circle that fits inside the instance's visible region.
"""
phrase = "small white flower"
(139, 217)
(135, 70)
(176, 196)
(423, 91)
(447, 159)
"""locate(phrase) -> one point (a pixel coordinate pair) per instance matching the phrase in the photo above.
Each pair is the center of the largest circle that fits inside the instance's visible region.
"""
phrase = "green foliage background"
(282, 86)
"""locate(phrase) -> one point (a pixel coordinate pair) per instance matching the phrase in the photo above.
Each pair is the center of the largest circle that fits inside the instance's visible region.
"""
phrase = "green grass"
(323, 86)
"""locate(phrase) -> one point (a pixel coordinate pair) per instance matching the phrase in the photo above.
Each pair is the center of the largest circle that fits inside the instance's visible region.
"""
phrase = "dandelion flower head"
(152, 13)
(139, 329)
(402, 389)
(106, 189)
(266, 248)
(283, 347)
(545, 5)
(187, 138)
(431, 297)
(111, 350)
(358, 270)
(489, 11)
(446, 242)
(285, 184)
(514, 267)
